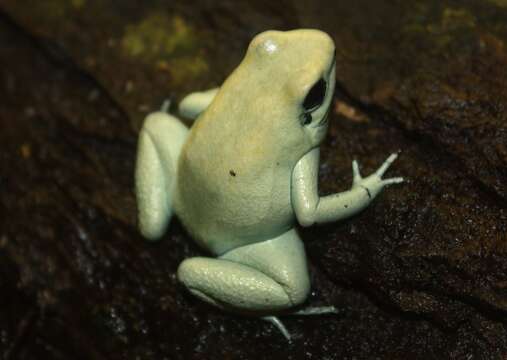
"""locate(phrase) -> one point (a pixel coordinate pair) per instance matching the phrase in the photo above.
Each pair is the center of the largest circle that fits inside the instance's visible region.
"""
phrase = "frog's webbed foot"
(374, 183)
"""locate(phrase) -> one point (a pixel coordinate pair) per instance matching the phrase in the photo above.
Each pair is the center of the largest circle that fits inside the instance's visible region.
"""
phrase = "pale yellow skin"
(247, 142)
(246, 172)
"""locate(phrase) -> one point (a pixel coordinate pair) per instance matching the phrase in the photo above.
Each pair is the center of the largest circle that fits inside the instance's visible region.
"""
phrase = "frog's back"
(234, 171)
(233, 190)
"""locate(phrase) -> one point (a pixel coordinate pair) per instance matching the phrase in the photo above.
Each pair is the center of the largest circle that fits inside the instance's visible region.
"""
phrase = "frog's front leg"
(310, 208)
(158, 150)
(195, 103)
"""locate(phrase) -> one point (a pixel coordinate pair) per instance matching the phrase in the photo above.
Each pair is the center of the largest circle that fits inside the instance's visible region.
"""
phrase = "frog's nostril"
(307, 118)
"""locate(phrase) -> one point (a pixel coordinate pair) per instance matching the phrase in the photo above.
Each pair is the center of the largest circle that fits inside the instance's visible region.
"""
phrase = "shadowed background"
(421, 274)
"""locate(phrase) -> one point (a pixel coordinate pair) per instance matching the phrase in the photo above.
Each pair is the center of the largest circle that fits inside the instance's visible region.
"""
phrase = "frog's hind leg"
(159, 146)
(263, 279)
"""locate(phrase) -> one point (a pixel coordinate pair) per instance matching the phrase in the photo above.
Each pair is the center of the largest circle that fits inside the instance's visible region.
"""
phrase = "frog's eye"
(315, 96)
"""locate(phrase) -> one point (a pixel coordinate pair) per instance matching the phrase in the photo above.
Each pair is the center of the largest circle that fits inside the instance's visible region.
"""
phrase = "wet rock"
(422, 273)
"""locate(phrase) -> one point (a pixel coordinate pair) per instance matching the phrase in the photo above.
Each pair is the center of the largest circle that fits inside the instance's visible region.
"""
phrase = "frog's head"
(300, 64)
(278, 99)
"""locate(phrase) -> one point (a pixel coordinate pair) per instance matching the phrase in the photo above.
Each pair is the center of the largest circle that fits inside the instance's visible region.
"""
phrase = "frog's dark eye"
(315, 96)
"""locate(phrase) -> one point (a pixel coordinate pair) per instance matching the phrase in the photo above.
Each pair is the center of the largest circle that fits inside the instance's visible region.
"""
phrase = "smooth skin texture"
(246, 172)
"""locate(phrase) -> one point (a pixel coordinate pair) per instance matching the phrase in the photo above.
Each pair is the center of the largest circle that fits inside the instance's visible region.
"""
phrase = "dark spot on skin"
(367, 190)
(232, 173)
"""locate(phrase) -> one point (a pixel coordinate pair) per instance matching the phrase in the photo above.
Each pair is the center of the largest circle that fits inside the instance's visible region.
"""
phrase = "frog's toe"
(166, 106)
(383, 168)
(317, 310)
(279, 325)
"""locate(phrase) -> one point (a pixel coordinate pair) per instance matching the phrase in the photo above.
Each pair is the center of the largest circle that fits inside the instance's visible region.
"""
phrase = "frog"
(244, 176)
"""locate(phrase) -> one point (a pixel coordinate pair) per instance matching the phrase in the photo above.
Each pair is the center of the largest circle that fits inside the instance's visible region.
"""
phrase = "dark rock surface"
(421, 274)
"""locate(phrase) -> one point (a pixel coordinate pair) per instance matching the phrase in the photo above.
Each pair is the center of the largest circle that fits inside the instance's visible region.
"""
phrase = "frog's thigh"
(263, 277)
(159, 146)
(195, 103)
